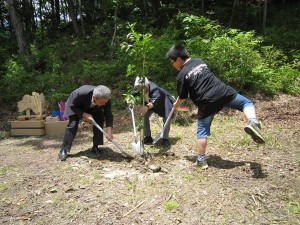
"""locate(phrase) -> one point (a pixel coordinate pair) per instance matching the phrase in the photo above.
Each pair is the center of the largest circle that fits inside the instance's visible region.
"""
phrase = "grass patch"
(3, 186)
(179, 135)
(130, 186)
(84, 180)
(244, 141)
(68, 168)
(171, 205)
(189, 177)
(4, 169)
(271, 141)
(24, 202)
(298, 159)
(57, 202)
(96, 175)
(293, 205)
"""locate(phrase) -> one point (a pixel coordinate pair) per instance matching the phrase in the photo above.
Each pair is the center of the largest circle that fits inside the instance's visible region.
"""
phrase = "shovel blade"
(137, 148)
(160, 135)
(124, 153)
(156, 139)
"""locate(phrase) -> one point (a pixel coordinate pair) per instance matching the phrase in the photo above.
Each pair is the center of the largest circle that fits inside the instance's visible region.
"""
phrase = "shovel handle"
(168, 119)
(113, 141)
(160, 135)
(133, 121)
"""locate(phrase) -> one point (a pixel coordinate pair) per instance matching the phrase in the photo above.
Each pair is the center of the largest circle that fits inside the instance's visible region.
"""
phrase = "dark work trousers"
(71, 131)
(147, 130)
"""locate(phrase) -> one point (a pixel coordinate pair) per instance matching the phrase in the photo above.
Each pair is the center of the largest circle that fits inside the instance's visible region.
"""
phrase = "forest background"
(54, 46)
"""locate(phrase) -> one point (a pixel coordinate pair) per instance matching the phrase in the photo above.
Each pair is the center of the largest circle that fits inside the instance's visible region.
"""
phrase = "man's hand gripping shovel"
(114, 142)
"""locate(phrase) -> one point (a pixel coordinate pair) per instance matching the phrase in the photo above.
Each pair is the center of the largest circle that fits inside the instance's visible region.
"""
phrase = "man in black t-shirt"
(210, 95)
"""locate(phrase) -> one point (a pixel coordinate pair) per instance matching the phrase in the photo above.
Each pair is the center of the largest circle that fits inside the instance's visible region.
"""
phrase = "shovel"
(115, 143)
(137, 146)
(160, 134)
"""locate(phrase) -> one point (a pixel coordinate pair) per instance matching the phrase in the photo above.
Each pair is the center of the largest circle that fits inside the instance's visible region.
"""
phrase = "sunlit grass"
(3, 186)
(130, 186)
(171, 205)
(84, 180)
(96, 175)
(7, 169)
(4, 170)
(24, 202)
(293, 205)
(188, 177)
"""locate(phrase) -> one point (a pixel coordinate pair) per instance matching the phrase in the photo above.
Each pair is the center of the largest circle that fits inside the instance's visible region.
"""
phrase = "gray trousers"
(147, 130)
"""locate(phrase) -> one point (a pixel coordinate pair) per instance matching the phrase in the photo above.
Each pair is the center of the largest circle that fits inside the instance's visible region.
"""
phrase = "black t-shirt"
(205, 89)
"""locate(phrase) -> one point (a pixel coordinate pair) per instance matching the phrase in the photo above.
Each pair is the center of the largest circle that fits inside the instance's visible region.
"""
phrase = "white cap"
(139, 80)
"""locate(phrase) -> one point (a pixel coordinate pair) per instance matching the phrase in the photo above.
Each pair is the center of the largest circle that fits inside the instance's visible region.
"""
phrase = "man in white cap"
(157, 100)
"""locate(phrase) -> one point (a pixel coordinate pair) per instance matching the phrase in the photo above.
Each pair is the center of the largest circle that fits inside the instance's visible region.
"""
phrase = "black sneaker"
(62, 155)
(96, 150)
(148, 140)
(253, 129)
(202, 164)
(166, 143)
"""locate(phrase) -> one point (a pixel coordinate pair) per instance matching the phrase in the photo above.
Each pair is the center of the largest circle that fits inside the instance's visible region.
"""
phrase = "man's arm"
(178, 103)
(109, 133)
(108, 120)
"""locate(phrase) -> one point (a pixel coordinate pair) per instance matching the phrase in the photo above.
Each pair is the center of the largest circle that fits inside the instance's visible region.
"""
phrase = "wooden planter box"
(28, 128)
(56, 127)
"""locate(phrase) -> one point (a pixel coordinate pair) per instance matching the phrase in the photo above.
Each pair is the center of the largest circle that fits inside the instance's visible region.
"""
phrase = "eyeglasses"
(172, 62)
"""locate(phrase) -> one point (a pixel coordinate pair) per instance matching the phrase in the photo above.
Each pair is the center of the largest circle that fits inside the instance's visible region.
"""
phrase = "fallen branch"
(254, 199)
(22, 218)
(134, 209)
(169, 198)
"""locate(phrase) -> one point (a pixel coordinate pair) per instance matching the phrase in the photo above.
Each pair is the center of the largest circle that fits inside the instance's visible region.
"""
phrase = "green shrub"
(232, 57)
(290, 79)
(17, 81)
(240, 59)
(194, 26)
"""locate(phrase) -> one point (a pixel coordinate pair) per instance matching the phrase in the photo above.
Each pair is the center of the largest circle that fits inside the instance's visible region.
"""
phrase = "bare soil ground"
(245, 183)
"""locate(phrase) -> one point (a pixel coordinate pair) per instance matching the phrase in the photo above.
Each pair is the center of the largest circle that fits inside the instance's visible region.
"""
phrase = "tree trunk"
(57, 12)
(41, 18)
(115, 31)
(155, 7)
(33, 16)
(52, 13)
(81, 18)
(27, 18)
(73, 18)
(64, 13)
(233, 10)
(17, 26)
(143, 6)
(89, 10)
(265, 16)
(94, 9)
